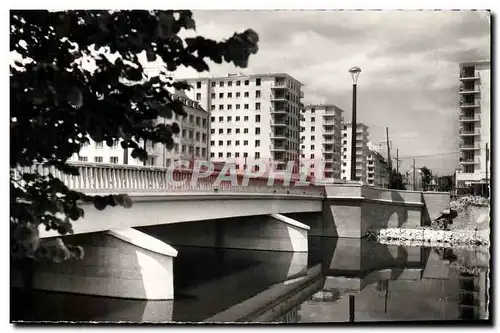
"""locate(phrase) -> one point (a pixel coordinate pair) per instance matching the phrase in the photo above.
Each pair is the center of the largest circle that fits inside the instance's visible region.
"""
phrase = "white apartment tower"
(252, 116)
(362, 151)
(377, 173)
(320, 139)
(191, 143)
(474, 106)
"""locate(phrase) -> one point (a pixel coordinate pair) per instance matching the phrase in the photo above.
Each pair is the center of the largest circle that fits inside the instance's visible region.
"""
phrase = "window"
(245, 142)
(312, 156)
(221, 95)
(228, 154)
(257, 106)
(98, 145)
(345, 149)
(246, 106)
(113, 159)
(203, 152)
(220, 155)
(245, 131)
(204, 122)
(98, 159)
(257, 143)
(221, 131)
(176, 147)
(238, 83)
(313, 119)
(230, 84)
(257, 118)
(237, 154)
(221, 107)
(221, 143)
(212, 143)
(198, 84)
(313, 110)
(83, 158)
(197, 136)
(257, 130)
(247, 94)
(228, 142)
(221, 119)
(313, 128)
(198, 119)
(213, 84)
(257, 94)
(212, 95)
(312, 147)
(237, 118)
(221, 83)
(204, 137)
(191, 119)
(237, 131)
(237, 106)
(198, 96)
(183, 149)
(257, 154)
(228, 131)
(229, 95)
(212, 107)
(212, 119)
(229, 118)
(229, 107)
(312, 137)
(212, 154)
(245, 154)
(257, 82)
(191, 134)
(238, 94)
(345, 135)
(237, 142)
(245, 118)
(247, 82)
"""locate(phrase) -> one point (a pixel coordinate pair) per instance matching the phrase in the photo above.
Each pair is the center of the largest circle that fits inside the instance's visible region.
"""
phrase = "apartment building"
(362, 151)
(253, 116)
(377, 173)
(320, 139)
(474, 106)
(191, 143)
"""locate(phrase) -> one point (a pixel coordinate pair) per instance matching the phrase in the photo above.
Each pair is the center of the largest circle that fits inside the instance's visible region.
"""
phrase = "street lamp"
(354, 71)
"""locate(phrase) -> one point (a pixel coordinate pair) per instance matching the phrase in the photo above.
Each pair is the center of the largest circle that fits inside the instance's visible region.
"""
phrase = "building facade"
(191, 143)
(251, 116)
(377, 173)
(362, 151)
(474, 106)
(320, 139)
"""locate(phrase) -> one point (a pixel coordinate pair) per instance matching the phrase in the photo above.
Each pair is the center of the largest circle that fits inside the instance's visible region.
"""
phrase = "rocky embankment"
(467, 226)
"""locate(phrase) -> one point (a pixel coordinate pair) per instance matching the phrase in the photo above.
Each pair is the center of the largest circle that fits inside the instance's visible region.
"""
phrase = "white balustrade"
(97, 178)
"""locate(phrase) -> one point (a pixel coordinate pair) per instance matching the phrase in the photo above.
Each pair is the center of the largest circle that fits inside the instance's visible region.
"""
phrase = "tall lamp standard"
(354, 71)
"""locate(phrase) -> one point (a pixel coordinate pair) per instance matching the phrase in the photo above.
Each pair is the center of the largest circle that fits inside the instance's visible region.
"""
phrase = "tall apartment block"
(320, 139)
(251, 116)
(362, 151)
(474, 105)
(192, 142)
(377, 173)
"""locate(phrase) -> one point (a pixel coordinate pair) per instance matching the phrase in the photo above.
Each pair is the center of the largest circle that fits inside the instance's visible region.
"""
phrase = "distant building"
(191, 143)
(320, 139)
(474, 106)
(377, 173)
(252, 116)
(362, 151)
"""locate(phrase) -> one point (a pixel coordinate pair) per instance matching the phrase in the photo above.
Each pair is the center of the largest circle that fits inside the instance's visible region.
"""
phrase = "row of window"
(190, 134)
(237, 118)
(237, 154)
(246, 94)
(236, 143)
(190, 150)
(237, 130)
(99, 159)
(192, 120)
(230, 83)
(237, 107)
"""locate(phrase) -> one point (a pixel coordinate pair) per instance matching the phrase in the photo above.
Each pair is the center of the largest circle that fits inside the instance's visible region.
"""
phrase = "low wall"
(351, 210)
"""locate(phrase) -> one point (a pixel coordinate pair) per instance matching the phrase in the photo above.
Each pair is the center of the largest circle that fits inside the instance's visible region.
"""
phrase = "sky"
(409, 62)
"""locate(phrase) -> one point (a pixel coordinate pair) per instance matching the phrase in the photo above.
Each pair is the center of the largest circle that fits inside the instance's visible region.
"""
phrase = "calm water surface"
(339, 280)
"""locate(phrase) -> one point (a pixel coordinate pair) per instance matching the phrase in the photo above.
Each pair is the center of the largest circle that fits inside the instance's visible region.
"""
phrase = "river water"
(339, 280)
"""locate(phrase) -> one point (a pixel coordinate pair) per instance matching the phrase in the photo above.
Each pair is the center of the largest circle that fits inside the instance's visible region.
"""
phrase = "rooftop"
(320, 106)
(241, 75)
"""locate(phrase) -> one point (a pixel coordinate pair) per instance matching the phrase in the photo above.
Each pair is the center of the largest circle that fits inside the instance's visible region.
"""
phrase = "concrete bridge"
(129, 252)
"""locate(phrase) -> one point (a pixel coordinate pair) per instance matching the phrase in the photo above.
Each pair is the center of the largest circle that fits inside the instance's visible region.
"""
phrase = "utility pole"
(397, 160)
(414, 183)
(487, 160)
(389, 162)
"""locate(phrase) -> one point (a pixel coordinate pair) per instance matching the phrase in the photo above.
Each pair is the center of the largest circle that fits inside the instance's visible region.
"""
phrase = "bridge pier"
(274, 232)
(122, 263)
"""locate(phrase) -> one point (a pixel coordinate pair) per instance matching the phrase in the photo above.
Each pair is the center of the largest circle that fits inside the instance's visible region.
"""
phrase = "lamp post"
(354, 71)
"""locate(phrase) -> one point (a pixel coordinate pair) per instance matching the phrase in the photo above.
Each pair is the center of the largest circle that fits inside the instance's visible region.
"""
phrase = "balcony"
(278, 111)
(469, 119)
(277, 148)
(469, 75)
(279, 123)
(470, 90)
(475, 160)
(301, 94)
(473, 146)
(278, 135)
(473, 132)
(279, 98)
(328, 141)
(473, 104)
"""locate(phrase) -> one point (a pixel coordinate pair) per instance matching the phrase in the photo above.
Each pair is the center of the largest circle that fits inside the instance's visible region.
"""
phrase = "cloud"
(409, 62)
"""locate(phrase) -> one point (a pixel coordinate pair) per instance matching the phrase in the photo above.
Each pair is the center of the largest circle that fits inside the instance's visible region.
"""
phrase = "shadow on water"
(339, 280)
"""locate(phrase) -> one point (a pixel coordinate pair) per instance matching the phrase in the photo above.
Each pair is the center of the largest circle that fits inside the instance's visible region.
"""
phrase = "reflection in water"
(339, 280)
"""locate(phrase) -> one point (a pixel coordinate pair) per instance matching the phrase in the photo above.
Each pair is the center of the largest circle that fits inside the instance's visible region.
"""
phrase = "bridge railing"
(113, 178)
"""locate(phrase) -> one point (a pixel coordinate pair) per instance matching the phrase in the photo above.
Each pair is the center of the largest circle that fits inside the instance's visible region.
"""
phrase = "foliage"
(56, 104)
(426, 177)
(445, 183)
(397, 180)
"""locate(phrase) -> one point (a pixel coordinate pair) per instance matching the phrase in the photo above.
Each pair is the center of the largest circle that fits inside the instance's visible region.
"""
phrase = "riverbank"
(469, 229)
